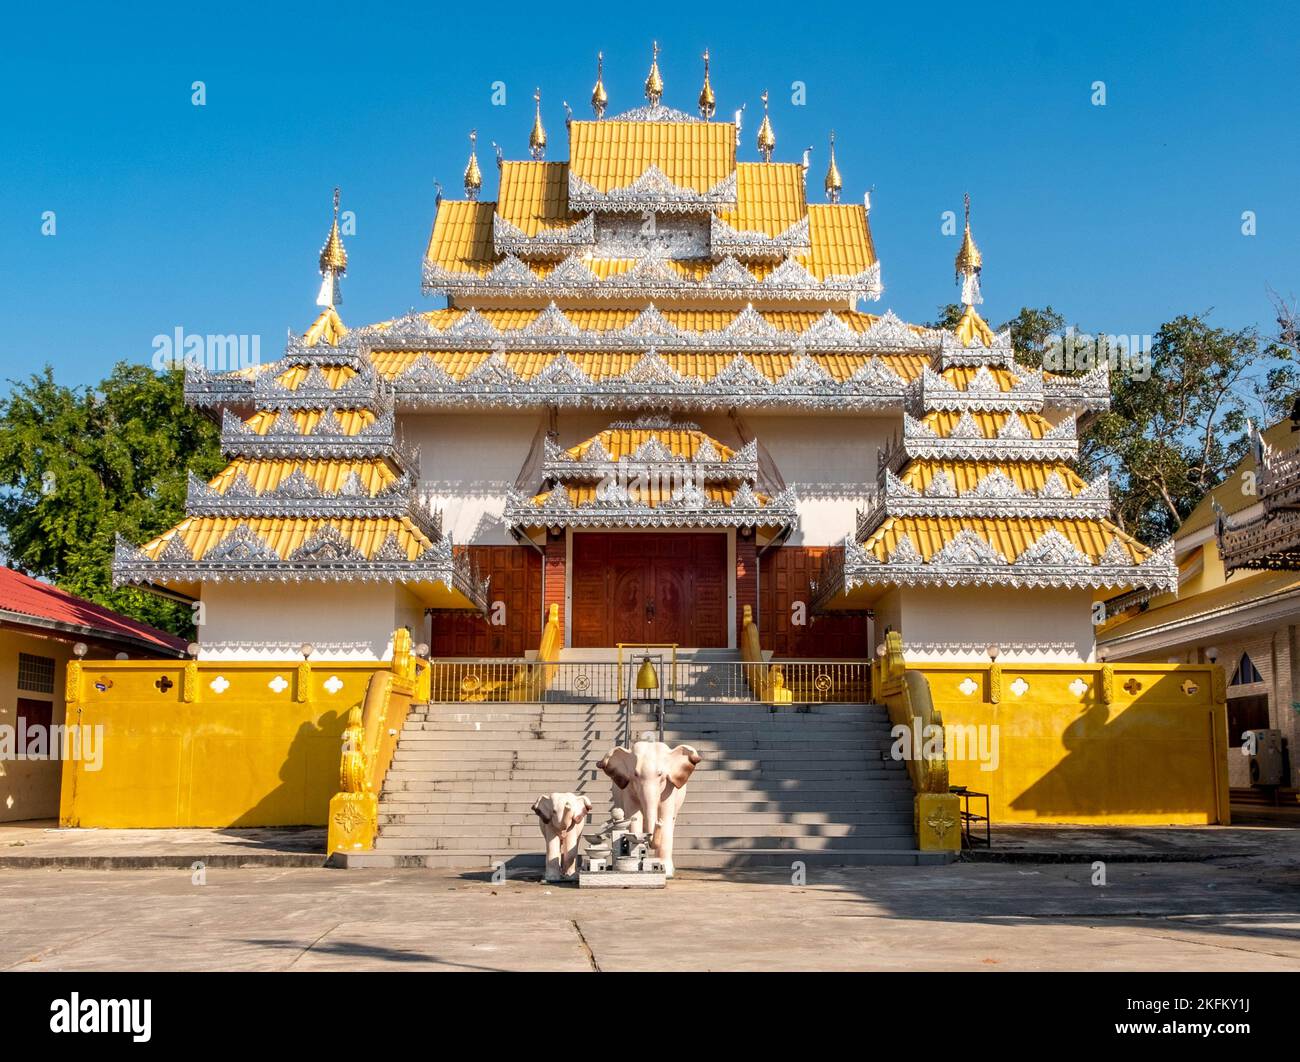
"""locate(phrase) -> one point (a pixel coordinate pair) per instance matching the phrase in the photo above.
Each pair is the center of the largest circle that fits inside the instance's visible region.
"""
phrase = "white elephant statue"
(561, 816)
(649, 781)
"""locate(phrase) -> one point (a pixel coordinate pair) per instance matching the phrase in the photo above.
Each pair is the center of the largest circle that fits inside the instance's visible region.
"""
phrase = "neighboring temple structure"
(651, 401)
(1238, 597)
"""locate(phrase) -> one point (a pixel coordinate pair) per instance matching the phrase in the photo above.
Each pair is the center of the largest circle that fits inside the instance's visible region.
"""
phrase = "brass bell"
(646, 677)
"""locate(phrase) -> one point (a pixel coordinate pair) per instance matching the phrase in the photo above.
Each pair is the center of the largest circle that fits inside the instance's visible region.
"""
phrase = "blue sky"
(210, 218)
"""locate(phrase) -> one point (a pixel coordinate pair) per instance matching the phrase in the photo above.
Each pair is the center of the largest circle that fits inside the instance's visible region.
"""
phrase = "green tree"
(1173, 433)
(78, 465)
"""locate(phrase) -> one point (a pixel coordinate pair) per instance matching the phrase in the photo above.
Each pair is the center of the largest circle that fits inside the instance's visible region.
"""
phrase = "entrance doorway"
(635, 587)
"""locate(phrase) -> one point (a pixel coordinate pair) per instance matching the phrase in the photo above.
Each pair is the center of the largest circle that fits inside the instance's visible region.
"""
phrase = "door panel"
(649, 588)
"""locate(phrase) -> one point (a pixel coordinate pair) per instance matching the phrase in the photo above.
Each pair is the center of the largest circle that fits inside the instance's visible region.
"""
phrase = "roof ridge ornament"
(537, 138)
(708, 102)
(473, 175)
(766, 136)
(969, 265)
(599, 97)
(654, 82)
(834, 182)
(333, 263)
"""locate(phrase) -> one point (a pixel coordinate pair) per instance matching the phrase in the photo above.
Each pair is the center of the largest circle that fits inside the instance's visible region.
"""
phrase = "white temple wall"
(830, 461)
(941, 624)
(467, 463)
(270, 621)
(469, 460)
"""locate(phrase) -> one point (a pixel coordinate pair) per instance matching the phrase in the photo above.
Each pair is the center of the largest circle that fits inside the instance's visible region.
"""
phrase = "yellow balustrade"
(1124, 743)
(766, 681)
(210, 743)
(369, 740)
(905, 692)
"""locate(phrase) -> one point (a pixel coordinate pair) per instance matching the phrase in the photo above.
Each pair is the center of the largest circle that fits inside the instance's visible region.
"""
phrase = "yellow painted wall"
(29, 789)
(1155, 755)
(243, 754)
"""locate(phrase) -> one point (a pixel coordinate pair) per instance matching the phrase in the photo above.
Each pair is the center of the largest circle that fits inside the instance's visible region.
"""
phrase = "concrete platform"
(35, 845)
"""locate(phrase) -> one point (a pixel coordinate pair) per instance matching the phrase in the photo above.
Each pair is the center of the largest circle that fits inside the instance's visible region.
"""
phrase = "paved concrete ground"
(1227, 915)
(40, 843)
(43, 844)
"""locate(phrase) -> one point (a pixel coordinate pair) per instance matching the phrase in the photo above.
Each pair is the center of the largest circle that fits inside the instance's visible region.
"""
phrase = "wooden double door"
(647, 587)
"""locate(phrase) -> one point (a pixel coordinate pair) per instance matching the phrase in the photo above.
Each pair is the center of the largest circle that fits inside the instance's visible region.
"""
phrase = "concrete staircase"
(775, 786)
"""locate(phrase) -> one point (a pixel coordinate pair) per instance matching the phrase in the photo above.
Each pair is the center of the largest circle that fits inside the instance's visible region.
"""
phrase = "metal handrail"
(500, 680)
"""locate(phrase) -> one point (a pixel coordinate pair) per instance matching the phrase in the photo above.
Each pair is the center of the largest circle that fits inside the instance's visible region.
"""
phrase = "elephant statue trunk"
(649, 783)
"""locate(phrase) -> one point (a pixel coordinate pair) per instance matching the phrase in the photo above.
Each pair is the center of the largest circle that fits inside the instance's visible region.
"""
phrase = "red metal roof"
(30, 597)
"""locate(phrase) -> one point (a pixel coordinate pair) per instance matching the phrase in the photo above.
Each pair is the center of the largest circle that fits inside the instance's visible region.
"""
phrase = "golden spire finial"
(333, 262)
(599, 97)
(969, 264)
(537, 138)
(834, 182)
(708, 102)
(654, 83)
(473, 175)
(766, 137)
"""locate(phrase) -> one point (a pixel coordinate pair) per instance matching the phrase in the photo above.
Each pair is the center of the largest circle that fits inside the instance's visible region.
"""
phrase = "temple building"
(1238, 599)
(652, 401)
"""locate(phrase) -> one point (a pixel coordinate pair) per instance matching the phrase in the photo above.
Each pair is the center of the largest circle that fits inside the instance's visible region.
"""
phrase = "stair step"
(530, 863)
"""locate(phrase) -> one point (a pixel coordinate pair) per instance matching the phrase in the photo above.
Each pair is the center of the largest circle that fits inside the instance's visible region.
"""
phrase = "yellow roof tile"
(265, 475)
(691, 320)
(966, 475)
(681, 441)
(352, 420)
(943, 421)
(1009, 536)
(601, 364)
(535, 196)
(286, 534)
(770, 197)
(840, 240)
(335, 375)
(613, 154)
(462, 236)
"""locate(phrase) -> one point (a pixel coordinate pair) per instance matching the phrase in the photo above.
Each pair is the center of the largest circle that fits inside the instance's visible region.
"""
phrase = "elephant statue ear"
(681, 763)
(620, 765)
(542, 808)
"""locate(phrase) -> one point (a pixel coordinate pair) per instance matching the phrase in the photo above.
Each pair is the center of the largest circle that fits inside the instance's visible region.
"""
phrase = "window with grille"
(35, 673)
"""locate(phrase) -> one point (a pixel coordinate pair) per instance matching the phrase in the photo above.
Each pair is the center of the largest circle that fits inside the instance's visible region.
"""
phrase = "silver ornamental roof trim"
(243, 557)
(619, 509)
